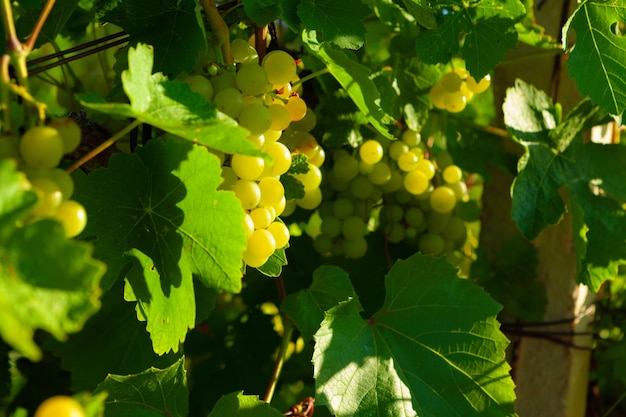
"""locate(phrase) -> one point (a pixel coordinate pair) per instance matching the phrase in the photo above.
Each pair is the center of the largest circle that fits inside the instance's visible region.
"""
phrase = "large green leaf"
(487, 28)
(433, 349)
(340, 22)
(306, 308)
(238, 405)
(163, 202)
(598, 58)
(173, 28)
(172, 106)
(153, 392)
(47, 281)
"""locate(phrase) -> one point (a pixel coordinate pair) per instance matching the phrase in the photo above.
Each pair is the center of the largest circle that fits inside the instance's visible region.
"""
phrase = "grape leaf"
(47, 281)
(597, 59)
(153, 392)
(115, 337)
(273, 267)
(163, 201)
(175, 31)
(238, 405)
(170, 312)
(433, 347)
(340, 22)
(172, 106)
(263, 11)
(355, 79)
(54, 24)
(488, 28)
(306, 308)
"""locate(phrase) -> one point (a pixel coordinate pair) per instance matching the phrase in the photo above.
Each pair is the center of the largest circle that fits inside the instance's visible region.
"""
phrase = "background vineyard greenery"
(159, 301)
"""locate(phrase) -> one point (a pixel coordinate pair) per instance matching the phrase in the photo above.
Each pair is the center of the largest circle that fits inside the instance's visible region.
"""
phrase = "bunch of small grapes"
(262, 99)
(455, 89)
(39, 152)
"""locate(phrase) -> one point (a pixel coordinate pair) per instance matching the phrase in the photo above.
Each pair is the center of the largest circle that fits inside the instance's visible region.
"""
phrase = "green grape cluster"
(395, 189)
(39, 152)
(455, 89)
(262, 99)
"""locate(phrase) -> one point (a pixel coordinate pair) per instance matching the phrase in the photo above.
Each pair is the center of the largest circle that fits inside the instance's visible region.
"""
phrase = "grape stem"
(219, 28)
(280, 358)
(95, 151)
(311, 76)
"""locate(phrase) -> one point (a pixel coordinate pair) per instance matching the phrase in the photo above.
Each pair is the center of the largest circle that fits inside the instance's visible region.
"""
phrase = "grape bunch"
(262, 99)
(455, 89)
(392, 188)
(39, 152)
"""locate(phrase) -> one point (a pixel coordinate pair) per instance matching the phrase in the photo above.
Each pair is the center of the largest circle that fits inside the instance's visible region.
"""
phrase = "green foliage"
(596, 61)
(338, 22)
(239, 405)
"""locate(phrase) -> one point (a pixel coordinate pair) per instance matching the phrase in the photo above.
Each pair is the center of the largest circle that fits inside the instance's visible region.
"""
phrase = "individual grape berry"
(414, 216)
(280, 232)
(346, 168)
(261, 244)
(248, 225)
(297, 108)
(50, 197)
(361, 187)
(42, 147)
(395, 183)
(272, 191)
(416, 182)
(243, 52)
(280, 117)
(443, 199)
(224, 80)
(331, 227)
(480, 86)
(455, 102)
(353, 227)
(311, 179)
(281, 158)
(354, 248)
(436, 222)
(311, 199)
(432, 243)
(343, 208)
(397, 148)
(229, 101)
(371, 151)
(455, 231)
(253, 261)
(70, 132)
(380, 174)
(411, 138)
(307, 123)
(248, 193)
(318, 158)
(427, 167)
(60, 406)
(64, 181)
(407, 161)
(280, 67)
(261, 217)
(452, 174)
(451, 82)
(247, 167)
(251, 79)
(72, 216)
(200, 85)
(394, 232)
(437, 96)
(322, 245)
(256, 118)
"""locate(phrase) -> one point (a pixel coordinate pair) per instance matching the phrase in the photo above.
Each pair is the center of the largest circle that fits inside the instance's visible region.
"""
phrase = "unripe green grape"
(443, 199)
(410, 233)
(371, 151)
(331, 226)
(229, 101)
(402, 196)
(397, 148)
(72, 216)
(411, 138)
(256, 118)
(392, 213)
(460, 190)
(251, 79)
(394, 232)
(325, 209)
(247, 167)
(311, 199)
(361, 187)
(280, 232)
(280, 67)
(436, 222)
(253, 261)
(437, 96)
(201, 85)
(455, 102)
(253, 100)
(8, 147)
(362, 209)
(50, 197)
(261, 244)
(64, 181)
(414, 216)
(281, 158)
(451, 82)
(395, 183)
(322, 245)
(290, 207)
(407, 161)
(307, 123)
(380, 174)
(353, 227)
(224, 80)
(261, 217)
(416, 182)
(444, 160)
(248, 225)
(480, 86)
(42, 147)
(296, 107)
(346, 168)
(432, 243)
(343, 208)
(334, 183)
(70, 133)
(229, 178)
(365, 168)
(455, 230)
(452, 174)
(272, 191)
(243, 52)
(354, 248)
(280, 117)
(248, 193)
(427, 167)
(311, 179)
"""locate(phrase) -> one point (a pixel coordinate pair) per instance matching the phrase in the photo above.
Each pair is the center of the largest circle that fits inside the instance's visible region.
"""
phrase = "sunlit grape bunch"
(39, 152)
(262, 99)
(395, 189)
(455, 89)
